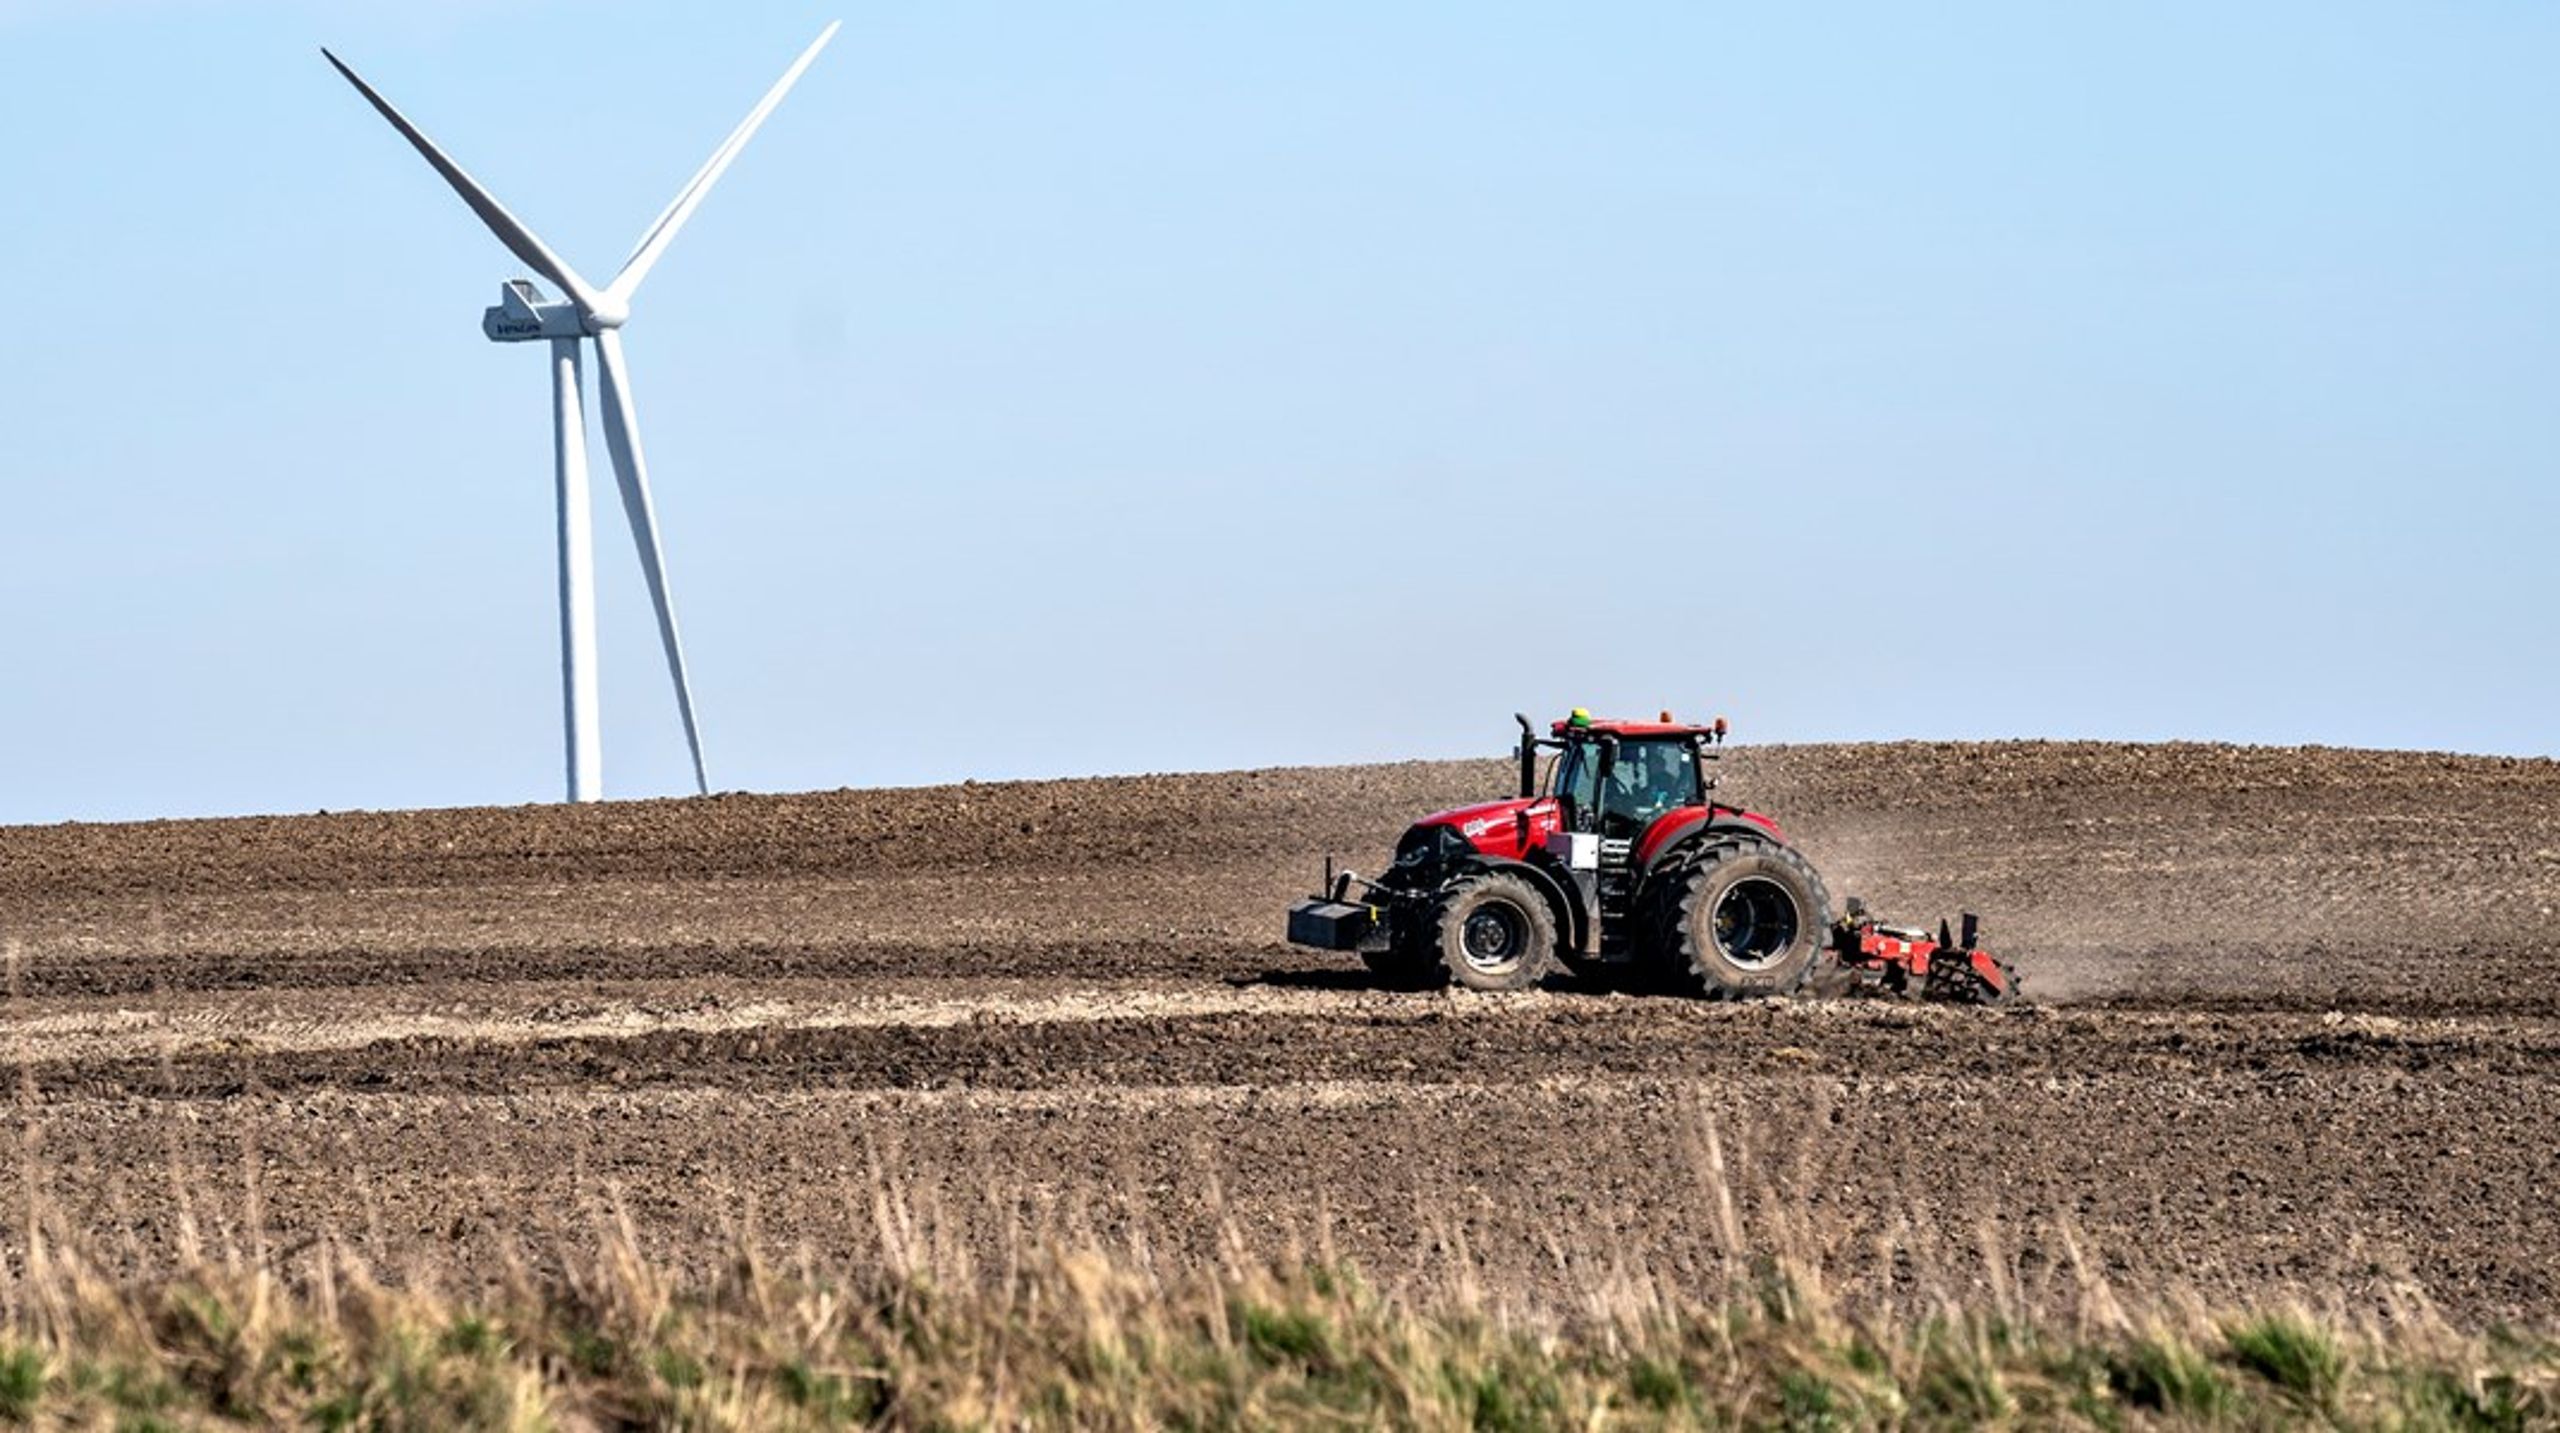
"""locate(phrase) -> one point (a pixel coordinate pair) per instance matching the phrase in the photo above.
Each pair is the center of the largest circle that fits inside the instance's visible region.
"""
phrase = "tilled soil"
(2296, 1033)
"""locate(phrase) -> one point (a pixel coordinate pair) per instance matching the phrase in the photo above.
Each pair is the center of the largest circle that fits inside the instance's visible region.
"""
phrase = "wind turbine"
(524, 313)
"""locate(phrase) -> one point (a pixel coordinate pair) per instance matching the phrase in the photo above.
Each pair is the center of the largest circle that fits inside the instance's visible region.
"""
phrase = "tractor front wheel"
(1746, 918)
(1495, 932)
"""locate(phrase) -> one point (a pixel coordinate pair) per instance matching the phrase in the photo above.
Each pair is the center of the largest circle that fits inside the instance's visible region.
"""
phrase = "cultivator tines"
(1908, 961)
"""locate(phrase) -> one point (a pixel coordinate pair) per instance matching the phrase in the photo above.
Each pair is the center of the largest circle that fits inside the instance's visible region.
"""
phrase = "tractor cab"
(1616, 784)
(1615, 779)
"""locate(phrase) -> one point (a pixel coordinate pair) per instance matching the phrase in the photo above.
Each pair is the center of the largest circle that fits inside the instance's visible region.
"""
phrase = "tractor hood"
(1510, 830)
(1495, 828)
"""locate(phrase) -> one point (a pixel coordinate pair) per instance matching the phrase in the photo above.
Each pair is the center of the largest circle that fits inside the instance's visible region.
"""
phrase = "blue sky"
(1073, 389)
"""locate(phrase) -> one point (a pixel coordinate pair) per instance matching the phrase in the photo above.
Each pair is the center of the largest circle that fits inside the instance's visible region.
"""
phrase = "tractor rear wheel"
(1495, 932)
(1744, 918)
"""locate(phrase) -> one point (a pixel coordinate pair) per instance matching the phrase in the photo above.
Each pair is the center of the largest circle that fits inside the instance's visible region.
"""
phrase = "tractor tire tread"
(1678, 890)
(1461, 899)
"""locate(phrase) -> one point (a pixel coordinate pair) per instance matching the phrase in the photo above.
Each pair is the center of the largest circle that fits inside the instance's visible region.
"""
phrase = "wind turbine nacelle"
(523, 314)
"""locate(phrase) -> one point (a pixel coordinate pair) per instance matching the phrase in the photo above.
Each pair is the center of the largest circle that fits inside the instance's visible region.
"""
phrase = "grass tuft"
(1810, 1404)
(2289, 1353)
(1657, 1384)
(22, 1380)
(2162, 1374)
(1290, 1336)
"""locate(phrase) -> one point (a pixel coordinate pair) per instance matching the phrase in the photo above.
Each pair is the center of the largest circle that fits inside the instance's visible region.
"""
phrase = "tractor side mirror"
(1608, 764)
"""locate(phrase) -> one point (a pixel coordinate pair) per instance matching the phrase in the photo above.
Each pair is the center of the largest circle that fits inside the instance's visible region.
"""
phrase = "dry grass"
(909, 1332)
(1081, 1340)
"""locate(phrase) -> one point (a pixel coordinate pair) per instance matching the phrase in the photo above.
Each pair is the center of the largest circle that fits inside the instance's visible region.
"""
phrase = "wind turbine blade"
(719, 158)
(520, 241)
(689, 198)
(631, 471)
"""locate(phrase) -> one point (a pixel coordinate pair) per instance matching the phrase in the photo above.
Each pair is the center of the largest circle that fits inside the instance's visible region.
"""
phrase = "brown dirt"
(2296, 1032)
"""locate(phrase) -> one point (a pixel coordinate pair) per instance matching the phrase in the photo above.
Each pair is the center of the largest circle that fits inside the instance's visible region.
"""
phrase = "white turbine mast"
(525, 313)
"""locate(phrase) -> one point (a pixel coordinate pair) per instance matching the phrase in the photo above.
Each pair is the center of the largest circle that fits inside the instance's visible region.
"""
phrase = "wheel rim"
(1493, 937)
(1756, 923)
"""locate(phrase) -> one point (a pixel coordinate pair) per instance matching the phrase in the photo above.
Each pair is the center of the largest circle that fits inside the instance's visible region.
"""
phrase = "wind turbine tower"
(588, 314)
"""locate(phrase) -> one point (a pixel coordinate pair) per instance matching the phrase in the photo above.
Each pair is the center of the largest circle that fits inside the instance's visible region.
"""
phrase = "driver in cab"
(1648, 780)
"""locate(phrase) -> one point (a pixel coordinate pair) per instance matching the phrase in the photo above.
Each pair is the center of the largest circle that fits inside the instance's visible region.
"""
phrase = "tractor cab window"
(1575, 773)
(1649, 778)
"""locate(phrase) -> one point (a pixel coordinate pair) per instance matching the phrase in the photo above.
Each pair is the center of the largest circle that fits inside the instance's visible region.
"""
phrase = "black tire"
(1494, 932)
(1743, 919)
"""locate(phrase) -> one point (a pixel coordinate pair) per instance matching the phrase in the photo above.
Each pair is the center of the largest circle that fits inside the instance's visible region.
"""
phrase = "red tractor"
(1621, 862)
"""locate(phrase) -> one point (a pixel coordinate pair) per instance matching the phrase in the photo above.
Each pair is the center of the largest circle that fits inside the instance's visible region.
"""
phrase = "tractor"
(1622, 867)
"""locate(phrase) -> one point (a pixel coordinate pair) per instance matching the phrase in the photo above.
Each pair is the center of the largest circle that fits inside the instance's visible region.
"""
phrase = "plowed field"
(2295, 1031)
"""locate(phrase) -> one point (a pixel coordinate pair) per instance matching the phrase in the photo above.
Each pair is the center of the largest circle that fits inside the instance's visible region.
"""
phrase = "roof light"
(1666, 718)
